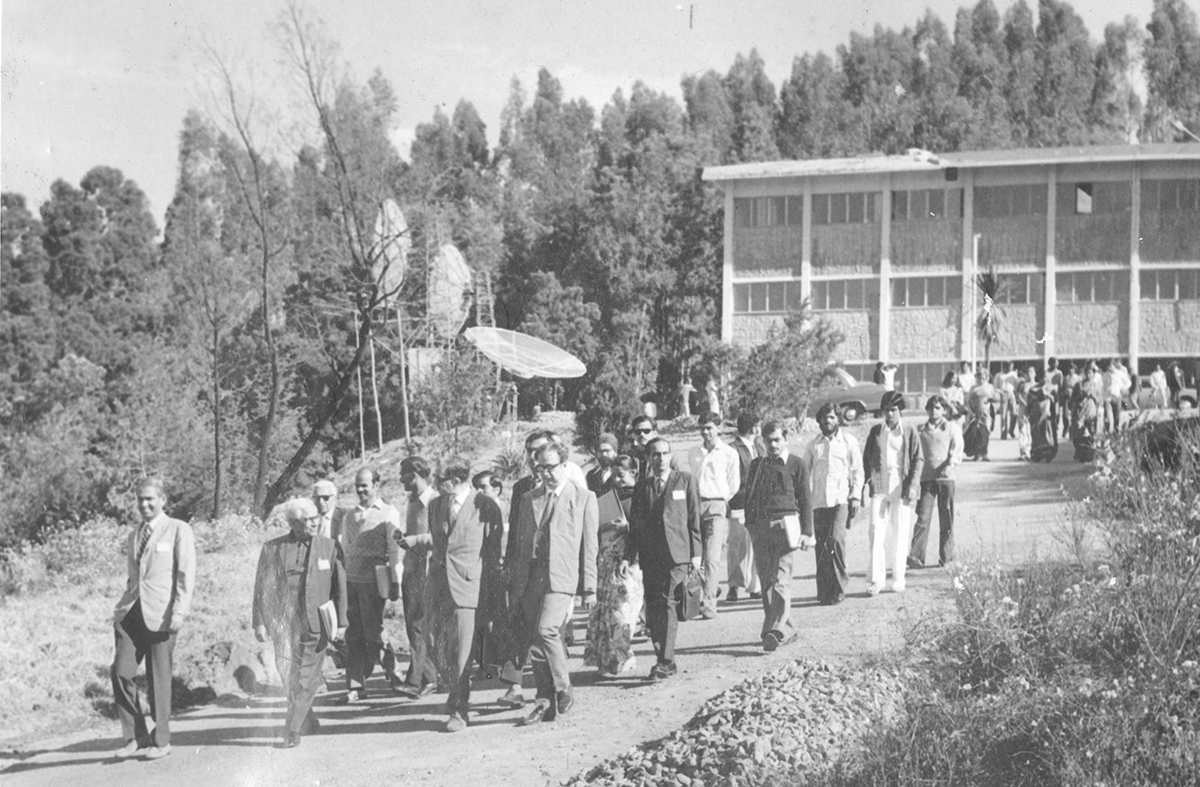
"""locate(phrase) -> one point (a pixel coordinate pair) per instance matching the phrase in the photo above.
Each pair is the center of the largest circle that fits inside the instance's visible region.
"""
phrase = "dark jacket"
(324, 579)
(911, 460)
(666, 529)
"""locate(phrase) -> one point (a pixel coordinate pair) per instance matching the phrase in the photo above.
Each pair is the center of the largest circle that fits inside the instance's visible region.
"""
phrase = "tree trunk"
(216, 392)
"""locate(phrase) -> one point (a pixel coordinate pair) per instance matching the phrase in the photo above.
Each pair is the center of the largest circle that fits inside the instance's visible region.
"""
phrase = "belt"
(712, 500)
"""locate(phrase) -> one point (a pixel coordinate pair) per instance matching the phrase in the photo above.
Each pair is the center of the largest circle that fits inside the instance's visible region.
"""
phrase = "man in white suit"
(162, 574)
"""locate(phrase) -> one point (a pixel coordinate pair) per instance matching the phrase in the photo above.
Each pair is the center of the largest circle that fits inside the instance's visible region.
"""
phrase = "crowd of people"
(489, 590)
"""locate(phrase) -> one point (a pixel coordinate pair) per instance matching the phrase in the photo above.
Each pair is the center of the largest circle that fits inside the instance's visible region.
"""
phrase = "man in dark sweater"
(779, 519)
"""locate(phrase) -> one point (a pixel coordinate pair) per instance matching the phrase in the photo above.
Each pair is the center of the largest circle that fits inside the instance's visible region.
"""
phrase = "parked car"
(853, 399)
(1145, 395)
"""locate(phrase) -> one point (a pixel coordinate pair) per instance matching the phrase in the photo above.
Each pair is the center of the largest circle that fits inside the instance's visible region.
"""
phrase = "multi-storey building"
(1098, 249)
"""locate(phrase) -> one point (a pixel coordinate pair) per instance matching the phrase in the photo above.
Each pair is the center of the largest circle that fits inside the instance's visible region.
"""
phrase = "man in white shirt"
(834, 463)
(324, 495)
(715, 466)
(892, 463)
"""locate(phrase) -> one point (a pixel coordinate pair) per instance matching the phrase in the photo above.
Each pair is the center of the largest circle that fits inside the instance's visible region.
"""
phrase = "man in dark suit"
(297, 573)
(161, 560)
(465, 531)
(740, 561)
(779, 519)
(553, 558)
(664, 539)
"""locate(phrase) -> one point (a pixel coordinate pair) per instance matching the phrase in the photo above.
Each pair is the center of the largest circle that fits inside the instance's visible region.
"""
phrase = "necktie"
(145, 539)
(659, 485)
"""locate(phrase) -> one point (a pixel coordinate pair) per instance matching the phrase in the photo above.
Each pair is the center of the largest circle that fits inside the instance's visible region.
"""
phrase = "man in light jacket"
(892, 462)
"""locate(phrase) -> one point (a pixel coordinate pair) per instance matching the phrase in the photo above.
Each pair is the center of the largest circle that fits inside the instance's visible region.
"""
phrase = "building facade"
(1097, 250)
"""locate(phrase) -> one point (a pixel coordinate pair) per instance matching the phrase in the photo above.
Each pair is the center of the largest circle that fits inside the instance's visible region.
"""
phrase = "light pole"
(1180, 127)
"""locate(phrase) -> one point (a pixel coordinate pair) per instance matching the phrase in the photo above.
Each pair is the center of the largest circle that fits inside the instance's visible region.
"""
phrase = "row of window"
(920, 291)
(1099, 198)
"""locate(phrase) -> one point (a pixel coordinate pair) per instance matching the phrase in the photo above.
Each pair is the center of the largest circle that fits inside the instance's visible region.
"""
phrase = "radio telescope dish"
(525, 355)
(449, 289)
(390, 244)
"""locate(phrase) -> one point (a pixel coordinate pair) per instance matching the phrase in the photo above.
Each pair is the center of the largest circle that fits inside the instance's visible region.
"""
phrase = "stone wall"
(861, 330)
(1091, 328)
(750, 330)
(1021, 326)
(1170, 327)
(926, 333)
(926, 245)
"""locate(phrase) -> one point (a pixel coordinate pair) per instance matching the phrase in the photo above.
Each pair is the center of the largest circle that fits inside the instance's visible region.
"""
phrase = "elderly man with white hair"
(325, 495)
(297, 574)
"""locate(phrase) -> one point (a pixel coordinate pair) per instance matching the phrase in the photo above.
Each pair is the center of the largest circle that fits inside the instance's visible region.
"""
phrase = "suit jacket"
(572, 540)
(459, 545)
(745, 457)
(673, 519)
(275, 606)
(164, 578)
(911, 459)
(522, 487)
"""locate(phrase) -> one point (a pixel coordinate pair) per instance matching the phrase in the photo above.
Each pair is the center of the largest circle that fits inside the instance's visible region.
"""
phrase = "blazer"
(164, 578)
(673, 518)
(459, 545)
(573, 539)
(324, 580)
(911, 460)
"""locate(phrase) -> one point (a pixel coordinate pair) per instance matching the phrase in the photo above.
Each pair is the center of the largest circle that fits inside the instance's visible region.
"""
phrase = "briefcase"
(688, 595)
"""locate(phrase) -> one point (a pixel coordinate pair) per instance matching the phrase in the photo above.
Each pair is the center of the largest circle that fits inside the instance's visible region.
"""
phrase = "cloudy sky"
(88, 82)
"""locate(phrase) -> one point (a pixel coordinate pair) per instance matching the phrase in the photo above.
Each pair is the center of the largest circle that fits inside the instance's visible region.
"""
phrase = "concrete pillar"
(806, 243)
(1135, 268)
(885, 272)
(1050, 294)
(967, 329)
(727, 270)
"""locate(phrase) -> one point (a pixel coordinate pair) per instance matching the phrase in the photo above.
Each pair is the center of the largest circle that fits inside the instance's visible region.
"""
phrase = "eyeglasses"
(324, 497)
(643, 430)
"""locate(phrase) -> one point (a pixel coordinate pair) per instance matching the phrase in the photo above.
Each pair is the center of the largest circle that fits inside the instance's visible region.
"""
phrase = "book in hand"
(327, 615)
(791, 528)
(609, 508)
(383, 579)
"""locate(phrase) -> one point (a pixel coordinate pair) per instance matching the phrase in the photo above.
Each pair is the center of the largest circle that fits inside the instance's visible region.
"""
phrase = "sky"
(108, 82)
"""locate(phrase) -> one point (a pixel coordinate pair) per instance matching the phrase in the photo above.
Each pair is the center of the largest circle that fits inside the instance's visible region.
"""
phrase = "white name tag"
(322, 564)
(162, 546)
(679, 494)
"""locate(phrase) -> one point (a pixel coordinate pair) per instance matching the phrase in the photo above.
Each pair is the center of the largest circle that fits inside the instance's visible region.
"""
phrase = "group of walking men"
(477, 585)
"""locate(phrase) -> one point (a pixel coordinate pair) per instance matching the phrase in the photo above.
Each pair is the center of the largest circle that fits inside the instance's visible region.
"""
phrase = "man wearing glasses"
(324, 495)
(664, 539)
(644, 429)
(552, 557)
(297, 573)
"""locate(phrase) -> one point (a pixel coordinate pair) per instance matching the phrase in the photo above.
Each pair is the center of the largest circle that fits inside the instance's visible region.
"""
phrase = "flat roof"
(923, 161)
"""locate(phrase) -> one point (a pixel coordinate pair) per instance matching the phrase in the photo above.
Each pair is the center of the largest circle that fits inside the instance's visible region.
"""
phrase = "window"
(1171, 196)
(927, 205)
(766, 297)
(1171, 285)
(1000, 201)
(852, 208)
(1092, 287)
(1083, 198)
(1020, 288)
(922, 377)
(768, 212)
(916, 291)
(837, 294)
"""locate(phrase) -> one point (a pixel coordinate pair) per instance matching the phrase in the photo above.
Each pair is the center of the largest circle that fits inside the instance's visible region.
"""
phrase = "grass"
(1080, 670)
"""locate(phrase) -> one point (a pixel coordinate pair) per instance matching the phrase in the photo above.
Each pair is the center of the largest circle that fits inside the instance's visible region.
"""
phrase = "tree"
(815, 120)
(1020, 41)
(1116, 108)
(1065, 66)
(752, 102)
(1172, 58)
(989, 325)
(28, 332)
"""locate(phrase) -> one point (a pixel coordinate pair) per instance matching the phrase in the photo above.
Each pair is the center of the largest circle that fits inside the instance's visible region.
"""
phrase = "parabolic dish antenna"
(390, 244)
(449, 288)
(525, 355)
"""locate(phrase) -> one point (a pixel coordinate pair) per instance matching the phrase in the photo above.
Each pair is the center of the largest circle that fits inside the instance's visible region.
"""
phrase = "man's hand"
(394, 592)
(853, 513)
(176, 624)
(623, 570)
(587, 600)
(404, 542)
(260, 633)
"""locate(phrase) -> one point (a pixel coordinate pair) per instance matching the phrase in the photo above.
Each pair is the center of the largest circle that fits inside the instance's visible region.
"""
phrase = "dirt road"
(1005, 508)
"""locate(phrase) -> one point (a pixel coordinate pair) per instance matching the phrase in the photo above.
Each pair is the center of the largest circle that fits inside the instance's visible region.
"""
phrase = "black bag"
(688, 595)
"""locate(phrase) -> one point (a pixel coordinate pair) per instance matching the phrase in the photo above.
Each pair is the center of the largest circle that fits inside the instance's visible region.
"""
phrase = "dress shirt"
(718, 472)
(456, 503)
(834, 469)
(890, 464)
(368, 542)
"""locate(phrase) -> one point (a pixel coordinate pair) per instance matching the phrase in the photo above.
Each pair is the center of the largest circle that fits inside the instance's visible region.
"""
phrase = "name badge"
(162, 546)
(322, 564)
(679, 494)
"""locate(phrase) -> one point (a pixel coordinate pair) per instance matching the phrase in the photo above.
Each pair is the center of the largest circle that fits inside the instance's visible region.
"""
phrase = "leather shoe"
(770, 641)
(455, 723)
(290, 740)
(353, 696)
(564, 700)
(414, 693)
(662, 671)
(512, 698)
(732, 595)
(795, 635)
(541, 712)
(131, 749)
(157, 752)
(756, 596)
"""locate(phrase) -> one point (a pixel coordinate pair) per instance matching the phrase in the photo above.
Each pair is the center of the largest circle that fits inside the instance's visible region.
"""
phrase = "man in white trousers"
(892, 462)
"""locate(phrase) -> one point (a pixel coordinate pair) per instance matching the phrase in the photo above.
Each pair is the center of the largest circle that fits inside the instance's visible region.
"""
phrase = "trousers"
(660, 579)
(890, 520)
(829, 527)
(939, 491)
(544, 612)
(300, 659)
(714, 532)
(773, 560)
(133, 643)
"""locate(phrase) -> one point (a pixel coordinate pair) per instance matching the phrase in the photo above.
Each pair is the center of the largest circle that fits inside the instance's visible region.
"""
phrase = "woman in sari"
(612, 621)
(1042, 433)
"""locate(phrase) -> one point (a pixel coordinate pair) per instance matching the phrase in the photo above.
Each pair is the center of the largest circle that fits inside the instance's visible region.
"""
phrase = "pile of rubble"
(796, 720)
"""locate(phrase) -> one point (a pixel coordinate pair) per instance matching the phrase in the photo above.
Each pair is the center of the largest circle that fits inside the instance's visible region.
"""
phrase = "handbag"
(688, 595)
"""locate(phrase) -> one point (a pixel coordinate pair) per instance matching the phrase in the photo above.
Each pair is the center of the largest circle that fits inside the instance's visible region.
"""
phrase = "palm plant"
(989, 324)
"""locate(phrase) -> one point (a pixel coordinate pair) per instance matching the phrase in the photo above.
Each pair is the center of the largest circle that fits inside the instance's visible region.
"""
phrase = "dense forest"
(224, 348)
